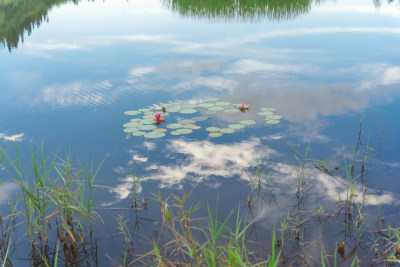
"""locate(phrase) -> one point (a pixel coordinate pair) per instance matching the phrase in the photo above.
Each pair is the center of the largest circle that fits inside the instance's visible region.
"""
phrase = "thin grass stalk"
(45, 196)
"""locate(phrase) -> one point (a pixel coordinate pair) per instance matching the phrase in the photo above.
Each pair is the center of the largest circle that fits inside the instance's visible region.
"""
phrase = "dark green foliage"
(240, 9)
(20, 16)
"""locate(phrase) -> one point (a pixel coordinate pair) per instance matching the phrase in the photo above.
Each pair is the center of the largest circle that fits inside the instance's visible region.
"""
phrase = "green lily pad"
(275, 117)
(166, 105)
(132, 112)
(215, 134)
(247, 122)
(236, 126)
(216, 108)
(184, 131)
(138, 133)
(213, 129)
(147, 121)
(273, 121)
(189, 126)
(227, 130)
(174, 126)
(144, 125)
(206, 105)
(160, 130)
(174, 109)
(147, 127)
(211, 99)
(222, 104)
(154, 135)
(130, 124)
(186, 121)
(131, 130)
(149, 116)
(199, 118)
(187, 111)
(231, 110)
(268, 109)
(265, 113)
(175, 133)
(186, 106)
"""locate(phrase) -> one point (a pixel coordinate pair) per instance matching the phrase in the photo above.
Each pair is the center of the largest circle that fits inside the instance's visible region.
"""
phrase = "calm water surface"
(321, 65)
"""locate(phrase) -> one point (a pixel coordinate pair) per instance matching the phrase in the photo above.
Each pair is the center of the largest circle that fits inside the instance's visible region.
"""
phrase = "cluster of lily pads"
(149, 127)
(217, 132)
(270, 117)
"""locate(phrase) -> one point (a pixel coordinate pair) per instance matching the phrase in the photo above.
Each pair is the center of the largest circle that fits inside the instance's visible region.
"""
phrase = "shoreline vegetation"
(241, 10)
(20, 17)
(54, 209)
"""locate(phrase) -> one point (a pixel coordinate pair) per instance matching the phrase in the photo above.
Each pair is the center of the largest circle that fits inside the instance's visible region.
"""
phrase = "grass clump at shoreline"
(194, 244)
(54, 204)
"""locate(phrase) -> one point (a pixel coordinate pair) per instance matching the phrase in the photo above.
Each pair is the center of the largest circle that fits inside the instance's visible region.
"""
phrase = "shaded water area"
(309, 167)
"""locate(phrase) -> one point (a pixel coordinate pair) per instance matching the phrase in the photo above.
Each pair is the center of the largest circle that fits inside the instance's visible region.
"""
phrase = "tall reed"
(55, 207)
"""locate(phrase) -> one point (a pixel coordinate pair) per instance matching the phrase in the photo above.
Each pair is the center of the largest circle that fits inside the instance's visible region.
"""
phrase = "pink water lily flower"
(243, 107)
(158, 117)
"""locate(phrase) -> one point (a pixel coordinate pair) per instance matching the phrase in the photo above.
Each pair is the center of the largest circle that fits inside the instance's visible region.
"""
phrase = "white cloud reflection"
(325, 191)
(79, 93)
(52, 46)
(140, 159)
(247, 66)
(124, 189)
(178, 67)
(351, 7)
(141, 71)
(11, 138)
(371, 76)
(326, 186)
(149, 145)
(204, 161)
(232, 45)
(214, 82)
(6, 189)
(177, 45)
(391, 75)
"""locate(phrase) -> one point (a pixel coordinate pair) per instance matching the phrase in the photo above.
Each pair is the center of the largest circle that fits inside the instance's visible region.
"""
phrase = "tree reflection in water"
(20, 16)
(241, 9)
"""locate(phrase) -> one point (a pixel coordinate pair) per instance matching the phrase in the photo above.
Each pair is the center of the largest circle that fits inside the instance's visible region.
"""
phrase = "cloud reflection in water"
(78, 93)
(205, 161)
(6, 189)
(11, 138)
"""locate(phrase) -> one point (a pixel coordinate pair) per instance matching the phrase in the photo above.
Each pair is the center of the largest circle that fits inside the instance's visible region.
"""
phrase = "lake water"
(70, 71)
